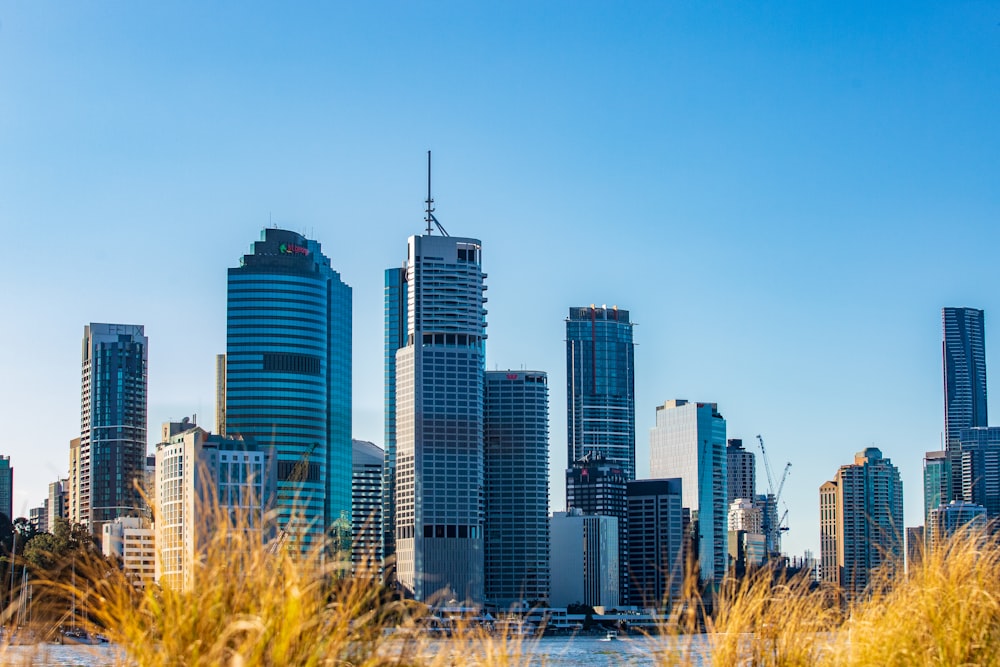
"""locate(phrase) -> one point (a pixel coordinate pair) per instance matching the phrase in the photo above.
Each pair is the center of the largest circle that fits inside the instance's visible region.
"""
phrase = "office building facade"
(937, 481)
(436, 452)
(598, 486)
(861, 522)
(655, 566)
(979, 468)
(57, 505)
(584, 560)
(600, 385)
(741, 468)
(288, 378)
(366, 506)
(947, 520)
(963, 352)
(396, 308)
(516, 485)
(689, 442)
(220, 394)
(112, 447)
(6, 487)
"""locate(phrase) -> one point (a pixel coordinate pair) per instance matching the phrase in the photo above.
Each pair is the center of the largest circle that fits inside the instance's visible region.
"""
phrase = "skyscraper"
(435, 452)
(979, 468)
(220, 394)
(937, 481)
(584, 559)
(689, 442)
(366, 506)
(6, 487)
(655, 563)
(288, 377)
(516, 483)
(396, 307)
(861, 522)
(600, 386)
(741, 472)
(963, 353)
(112, 449)
(598, 487)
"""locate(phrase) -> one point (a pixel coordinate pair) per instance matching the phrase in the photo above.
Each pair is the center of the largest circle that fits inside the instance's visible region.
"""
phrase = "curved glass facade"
(288, 377)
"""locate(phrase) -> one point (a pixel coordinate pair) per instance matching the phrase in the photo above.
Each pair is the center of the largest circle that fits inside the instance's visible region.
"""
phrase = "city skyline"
(765, 189)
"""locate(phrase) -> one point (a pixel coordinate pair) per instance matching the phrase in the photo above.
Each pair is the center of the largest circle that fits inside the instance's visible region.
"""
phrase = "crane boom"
(767, 465)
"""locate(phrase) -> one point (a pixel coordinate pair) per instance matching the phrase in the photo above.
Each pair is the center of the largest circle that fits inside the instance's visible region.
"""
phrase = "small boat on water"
(80, 637)
(610, 636)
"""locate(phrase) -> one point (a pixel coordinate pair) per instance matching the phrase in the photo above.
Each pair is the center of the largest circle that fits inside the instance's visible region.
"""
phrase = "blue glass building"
(963, 352)
(288, 377)
(689, 442)
(112, 450)
(600, 386)
(395, 338)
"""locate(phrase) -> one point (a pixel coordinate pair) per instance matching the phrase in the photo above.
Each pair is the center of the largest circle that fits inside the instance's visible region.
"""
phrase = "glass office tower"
(396, 301)
(963, 352)
(689, 442)
(516, 481)
(436, 451)
(600, 386)
(112, 448)
(288, 377)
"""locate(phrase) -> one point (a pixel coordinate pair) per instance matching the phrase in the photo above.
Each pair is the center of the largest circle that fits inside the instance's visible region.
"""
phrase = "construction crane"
(771, 526)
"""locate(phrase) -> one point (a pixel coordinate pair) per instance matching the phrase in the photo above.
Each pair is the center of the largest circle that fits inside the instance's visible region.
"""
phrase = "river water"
(587, 651)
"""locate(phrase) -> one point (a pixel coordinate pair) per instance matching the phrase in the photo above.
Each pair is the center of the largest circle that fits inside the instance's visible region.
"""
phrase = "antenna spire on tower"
(430, 204)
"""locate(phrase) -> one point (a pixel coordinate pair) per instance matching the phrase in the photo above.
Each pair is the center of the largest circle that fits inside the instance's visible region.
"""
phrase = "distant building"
(979, 468)
(915, 547)
(220, 394)
(6, 487)
(57, 505)
(655, 566)
(132, 540)
(198, 473)
(597, 486)
(861, 522)
(746, 550)
(73, 500)
(947, 520)
(743, 515)
(113, 424)
(288, 378)
(937, 481)
(689, 442)
(600, 386)
(584, 560)
(963, 352)
(366, 506)
(516, 485)
(741, 472)
(38, 517)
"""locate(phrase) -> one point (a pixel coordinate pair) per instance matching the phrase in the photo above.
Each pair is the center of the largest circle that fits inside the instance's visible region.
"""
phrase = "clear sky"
(784, 195)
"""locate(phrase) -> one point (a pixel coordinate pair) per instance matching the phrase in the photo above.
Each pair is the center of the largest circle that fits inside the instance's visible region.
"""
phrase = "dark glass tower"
(963, 352)
(288, 377)
(516, 481)
(395, 338)
(112, 450)
(600, 386)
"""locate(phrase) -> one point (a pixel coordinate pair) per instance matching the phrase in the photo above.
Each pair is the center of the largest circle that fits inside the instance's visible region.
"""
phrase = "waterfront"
(585, 650)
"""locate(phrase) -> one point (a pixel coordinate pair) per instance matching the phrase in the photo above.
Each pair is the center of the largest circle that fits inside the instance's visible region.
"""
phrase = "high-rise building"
(979, 468)
(288, 378)
(6, 487)
(916, 546)
(689, 442)
(57, 501)
(598, 486)
(742, 472)
(112, 447)
(583, 563)
(516, 484)
(963, 352)
(396, 299)
(937, 481)
(220, 394)
(73, 500)
(366, 506)
(434, 454)
(861, 522)
(655, 564)
(200, 476)
(946, 520)
(600, 385)
(132, 539)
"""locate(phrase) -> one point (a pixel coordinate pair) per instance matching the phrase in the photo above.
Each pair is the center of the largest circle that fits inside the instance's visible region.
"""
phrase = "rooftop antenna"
(430, 204)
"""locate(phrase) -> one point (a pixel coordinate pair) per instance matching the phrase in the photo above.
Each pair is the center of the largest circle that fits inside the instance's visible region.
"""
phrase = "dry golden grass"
(249, 606)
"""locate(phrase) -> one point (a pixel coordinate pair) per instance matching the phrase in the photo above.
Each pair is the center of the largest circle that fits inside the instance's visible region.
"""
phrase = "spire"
(430, 204)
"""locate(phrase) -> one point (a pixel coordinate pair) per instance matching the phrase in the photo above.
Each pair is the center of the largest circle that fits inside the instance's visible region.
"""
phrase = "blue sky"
(784, 195)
